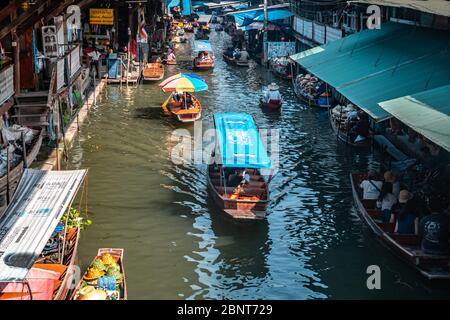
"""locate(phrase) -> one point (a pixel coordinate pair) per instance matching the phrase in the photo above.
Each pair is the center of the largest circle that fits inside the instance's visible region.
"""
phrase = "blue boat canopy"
(249, 16)
(238, 141)
(173, 3)
(202, 45)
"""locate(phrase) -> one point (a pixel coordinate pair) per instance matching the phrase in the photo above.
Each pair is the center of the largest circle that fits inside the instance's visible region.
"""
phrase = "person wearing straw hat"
(407, 214)
(272, 94)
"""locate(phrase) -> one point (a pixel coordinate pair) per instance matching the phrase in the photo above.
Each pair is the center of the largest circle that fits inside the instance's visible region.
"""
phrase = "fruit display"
(103, 280)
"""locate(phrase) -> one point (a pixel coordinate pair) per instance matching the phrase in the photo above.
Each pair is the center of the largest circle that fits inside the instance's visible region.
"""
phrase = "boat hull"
(235, 62)
(343, 137)
(271, 105)
(186, 115)
(406, 247)
(236, 208)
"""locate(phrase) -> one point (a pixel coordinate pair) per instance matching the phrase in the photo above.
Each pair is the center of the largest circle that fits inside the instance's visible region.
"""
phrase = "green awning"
(382, 64)
(427, 112)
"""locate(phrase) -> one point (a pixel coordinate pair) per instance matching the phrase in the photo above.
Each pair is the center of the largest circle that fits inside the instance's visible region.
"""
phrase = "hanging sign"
(50, 41)
(101, 16)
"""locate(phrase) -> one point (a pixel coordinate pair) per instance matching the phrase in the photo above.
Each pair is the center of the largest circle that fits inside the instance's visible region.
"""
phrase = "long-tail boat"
(38, 263)
(94, 286)
(405, 246)
(342, 134)
(153, 72)
(207, 62)
(180, 111)
(236, 178)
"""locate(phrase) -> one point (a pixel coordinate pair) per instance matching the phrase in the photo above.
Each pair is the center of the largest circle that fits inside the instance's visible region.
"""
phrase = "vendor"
(272, 94)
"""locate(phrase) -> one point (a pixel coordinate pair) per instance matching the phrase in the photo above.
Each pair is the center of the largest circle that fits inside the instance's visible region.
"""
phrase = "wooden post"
(24, 147)
(16, 64)
(7, 175)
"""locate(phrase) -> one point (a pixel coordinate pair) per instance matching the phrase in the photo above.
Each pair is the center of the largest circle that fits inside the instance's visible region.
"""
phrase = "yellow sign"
(101, 16)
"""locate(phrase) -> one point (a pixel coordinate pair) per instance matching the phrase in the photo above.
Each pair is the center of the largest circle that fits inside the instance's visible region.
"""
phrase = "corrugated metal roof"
(426, 112)
(40, 200)
(378, 65)
(438, 7)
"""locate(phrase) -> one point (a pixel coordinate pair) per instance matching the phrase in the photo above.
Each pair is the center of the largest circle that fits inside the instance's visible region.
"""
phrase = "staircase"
(31, 109)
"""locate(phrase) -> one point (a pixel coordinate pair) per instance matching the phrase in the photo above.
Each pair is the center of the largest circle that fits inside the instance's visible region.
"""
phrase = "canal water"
(178, 246)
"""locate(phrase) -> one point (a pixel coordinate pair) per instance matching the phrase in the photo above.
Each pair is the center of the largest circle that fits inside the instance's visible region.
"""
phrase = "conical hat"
(273, 86)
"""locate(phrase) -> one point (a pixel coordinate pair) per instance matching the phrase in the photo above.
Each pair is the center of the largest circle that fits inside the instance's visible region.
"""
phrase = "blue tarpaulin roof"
(382, 64)
(240, 145)
(173, 3)
(258, 15)
(202, 45)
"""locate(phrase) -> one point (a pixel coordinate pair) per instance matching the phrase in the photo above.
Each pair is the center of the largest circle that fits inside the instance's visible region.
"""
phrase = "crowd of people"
(410, 214)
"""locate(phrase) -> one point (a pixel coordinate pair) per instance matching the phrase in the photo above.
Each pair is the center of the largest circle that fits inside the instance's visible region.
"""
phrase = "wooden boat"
(406, 247)
(153, 72)
(65, 269)
(272, 105)
(203, 65)
(343, 136)
(15, 173)
(235, 62)
(250, 204)
(121, 286)
(307, 101)
(177, 110)
(246, 201)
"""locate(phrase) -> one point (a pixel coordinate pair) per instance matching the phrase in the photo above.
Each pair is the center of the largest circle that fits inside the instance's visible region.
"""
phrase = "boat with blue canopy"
(204, 55)
(236, 173)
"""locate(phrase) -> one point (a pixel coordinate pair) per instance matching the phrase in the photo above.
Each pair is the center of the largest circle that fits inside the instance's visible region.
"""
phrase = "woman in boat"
(406, 214)
(272, 94)
(386, 201)
(361, 130)
(171, 56)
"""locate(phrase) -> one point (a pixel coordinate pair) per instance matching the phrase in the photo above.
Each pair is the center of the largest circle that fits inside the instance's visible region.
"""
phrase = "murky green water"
(178, 246)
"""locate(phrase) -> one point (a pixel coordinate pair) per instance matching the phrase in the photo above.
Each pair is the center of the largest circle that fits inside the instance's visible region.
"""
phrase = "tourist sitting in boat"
(229, 52)
(389, 176)
(406, 214)
(188, 101)
(371, 187)
(171, 57)
(360, 131)
(386, 201)
(272, 95)
(435, 229)
(243, 55)
(236, 53)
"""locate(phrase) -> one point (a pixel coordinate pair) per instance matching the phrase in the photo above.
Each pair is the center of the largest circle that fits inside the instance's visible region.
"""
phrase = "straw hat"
(90, 293)
(389, 176)
(404, 196)
(273, 86)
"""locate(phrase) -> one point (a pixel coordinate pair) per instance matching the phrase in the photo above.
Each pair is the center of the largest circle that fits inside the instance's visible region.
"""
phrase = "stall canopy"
(381, 64)
(275, 12)
(40, 200)
(173, 3)
(238, 141)
(187, 9)
(427, 112)
(204, 18)
(202, 45)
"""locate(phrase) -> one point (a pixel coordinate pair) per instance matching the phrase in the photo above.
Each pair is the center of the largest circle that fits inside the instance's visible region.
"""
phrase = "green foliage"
(75, 220)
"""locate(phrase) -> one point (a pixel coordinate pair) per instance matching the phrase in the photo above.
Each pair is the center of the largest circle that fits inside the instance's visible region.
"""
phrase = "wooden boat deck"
(407, 247)
(250, 204)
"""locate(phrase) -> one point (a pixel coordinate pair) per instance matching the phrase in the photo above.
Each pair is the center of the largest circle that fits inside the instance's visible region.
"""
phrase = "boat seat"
(406, 239)
(387, 227)
(375, 213)
(369, 204)
(249, 191)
